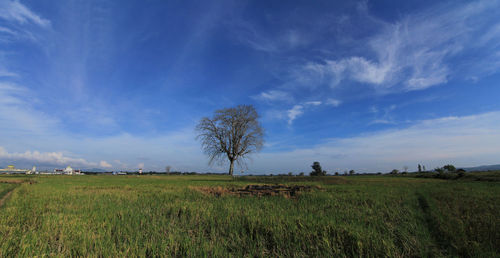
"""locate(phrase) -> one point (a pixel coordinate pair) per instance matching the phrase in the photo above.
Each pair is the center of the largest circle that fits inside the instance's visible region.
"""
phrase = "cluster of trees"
(449, 169)
(318, 171)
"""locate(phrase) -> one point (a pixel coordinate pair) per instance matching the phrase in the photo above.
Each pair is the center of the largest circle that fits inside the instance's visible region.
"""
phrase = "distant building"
(10, 169)
(140, 170)
(68, 171)
(32, 171)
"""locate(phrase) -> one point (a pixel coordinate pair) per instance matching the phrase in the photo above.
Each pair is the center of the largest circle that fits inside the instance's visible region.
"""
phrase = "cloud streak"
(17, 12)
(274, 95)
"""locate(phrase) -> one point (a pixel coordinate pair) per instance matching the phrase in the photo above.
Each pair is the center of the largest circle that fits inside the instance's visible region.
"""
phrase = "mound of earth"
(259, 190)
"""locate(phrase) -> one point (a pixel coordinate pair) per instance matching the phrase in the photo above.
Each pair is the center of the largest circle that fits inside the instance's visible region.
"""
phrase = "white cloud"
(413, 53)
(105, 164)
(140, 165)
(294, 112)
(274, 95)
(298, 110)
(6, 33)
(45, 158)
(15, 11)
(333, 102)
(313, 103)
(463, 141)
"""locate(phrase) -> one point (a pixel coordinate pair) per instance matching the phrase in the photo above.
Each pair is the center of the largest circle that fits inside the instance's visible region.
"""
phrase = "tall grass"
(163, 215)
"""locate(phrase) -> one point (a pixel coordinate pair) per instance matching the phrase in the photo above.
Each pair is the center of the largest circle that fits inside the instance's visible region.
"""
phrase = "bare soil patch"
(259, 190)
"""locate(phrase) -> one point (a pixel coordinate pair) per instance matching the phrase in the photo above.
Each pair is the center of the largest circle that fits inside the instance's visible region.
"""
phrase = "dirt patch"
(259, 190)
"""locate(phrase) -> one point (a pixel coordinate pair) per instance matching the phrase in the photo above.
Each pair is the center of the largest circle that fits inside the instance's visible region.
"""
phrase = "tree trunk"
(231, 167)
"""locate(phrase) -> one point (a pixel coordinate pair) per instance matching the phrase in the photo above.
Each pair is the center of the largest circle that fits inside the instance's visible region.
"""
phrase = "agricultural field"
(208, 216)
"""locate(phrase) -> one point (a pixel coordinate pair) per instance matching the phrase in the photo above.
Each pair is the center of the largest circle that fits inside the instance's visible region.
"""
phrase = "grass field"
(166, 215)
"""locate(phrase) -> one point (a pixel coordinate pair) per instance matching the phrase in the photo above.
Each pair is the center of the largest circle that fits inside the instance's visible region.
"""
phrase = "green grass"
(164, 215)
(5, 188)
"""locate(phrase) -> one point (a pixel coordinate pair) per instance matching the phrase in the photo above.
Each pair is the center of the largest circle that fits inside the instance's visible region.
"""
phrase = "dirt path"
(5, 197)
(18, 183)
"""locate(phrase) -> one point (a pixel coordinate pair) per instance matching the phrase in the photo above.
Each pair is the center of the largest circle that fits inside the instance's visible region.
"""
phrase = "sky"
(364, 85)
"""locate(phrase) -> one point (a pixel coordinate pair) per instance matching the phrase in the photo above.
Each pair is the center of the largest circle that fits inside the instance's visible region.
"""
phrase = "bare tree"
(232, 134)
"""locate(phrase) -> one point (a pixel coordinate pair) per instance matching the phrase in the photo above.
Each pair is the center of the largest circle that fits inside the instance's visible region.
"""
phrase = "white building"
(68, 171)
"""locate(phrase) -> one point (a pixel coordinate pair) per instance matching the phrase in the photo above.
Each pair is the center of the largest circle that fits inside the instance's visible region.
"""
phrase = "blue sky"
(367, 85)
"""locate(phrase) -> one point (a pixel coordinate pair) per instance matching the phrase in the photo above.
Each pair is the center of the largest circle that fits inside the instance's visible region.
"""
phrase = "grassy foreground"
(166, 215)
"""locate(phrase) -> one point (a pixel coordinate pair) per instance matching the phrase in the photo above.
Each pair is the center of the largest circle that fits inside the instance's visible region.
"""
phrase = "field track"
(5, 197)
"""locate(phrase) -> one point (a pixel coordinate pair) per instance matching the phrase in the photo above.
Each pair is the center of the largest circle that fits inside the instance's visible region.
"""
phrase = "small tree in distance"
(352, 172)
(449, 168)
(317, 170)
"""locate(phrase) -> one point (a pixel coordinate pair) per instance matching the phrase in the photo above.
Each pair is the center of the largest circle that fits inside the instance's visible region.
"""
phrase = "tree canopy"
(231, 135)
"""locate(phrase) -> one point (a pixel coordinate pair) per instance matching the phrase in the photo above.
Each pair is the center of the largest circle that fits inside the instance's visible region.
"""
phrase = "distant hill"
(483, 168)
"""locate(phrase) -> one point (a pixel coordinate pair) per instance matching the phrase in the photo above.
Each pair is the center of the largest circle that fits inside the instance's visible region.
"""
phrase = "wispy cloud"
(298, 110)
(463, 141)
(17, 116)
(260, 40)
(413, 53)
(333, 102)
(17, 12)
(313, 103)
(6, 73)
(294, 112)
(274, 95)
(383, 116)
